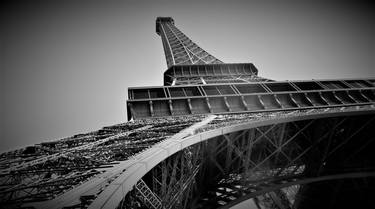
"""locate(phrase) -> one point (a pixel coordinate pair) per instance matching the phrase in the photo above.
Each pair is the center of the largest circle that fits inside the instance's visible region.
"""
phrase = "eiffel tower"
(215, 135)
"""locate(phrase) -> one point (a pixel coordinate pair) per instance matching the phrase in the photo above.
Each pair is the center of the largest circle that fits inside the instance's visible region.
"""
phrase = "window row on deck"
(164, 92)
(212, 70)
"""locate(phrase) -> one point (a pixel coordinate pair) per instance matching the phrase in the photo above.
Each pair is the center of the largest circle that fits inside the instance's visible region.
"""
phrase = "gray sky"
(65, 67)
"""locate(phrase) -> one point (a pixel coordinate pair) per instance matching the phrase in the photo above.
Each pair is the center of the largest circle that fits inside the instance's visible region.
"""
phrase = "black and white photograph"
(187, 104)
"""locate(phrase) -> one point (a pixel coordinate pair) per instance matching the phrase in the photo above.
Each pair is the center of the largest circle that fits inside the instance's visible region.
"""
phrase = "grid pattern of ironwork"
(268, 163)
(86, 162)
(261, 160)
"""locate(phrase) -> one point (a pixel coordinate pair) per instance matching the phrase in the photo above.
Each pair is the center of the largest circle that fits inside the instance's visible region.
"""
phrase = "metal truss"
(251, 157)
(276, 188)
(178, 48)
(174, 179)
(76, 169)
(268, 163)
(225, 155)
(250, 97)
(280, 156)
(172, 183)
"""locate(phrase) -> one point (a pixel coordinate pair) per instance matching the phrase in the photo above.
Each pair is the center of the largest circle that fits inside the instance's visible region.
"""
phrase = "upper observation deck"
(211, 73)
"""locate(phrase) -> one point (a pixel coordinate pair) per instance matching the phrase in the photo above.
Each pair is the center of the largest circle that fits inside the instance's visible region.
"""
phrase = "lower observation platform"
(160, 101)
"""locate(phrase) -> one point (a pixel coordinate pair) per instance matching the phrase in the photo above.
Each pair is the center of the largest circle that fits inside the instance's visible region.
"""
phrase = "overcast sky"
(66, 66)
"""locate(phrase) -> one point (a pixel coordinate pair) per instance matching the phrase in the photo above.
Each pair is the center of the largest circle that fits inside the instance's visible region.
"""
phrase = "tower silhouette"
(215, 135)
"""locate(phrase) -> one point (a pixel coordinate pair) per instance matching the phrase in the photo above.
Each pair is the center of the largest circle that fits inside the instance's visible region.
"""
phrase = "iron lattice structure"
(216, 135)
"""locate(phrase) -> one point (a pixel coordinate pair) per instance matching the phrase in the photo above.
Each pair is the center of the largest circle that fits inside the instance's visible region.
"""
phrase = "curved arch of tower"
(215, 135)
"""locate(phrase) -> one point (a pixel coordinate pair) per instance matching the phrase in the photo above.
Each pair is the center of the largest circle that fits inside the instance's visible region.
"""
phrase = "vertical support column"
(226, 104)
(244, 103)
(208, 104)
(293, 100)
(189, 105)
(151, 108)
(261, 101)
(170, 107)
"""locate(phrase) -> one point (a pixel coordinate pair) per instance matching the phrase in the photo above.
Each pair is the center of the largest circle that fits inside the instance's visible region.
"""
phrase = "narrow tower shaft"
(178, 48)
